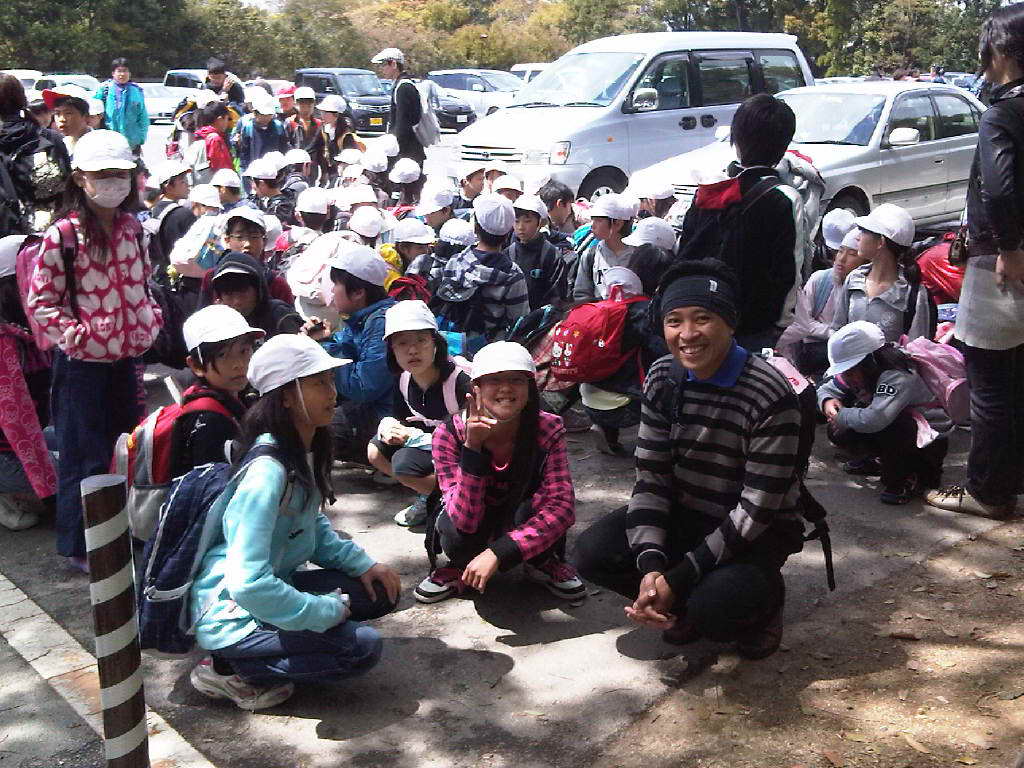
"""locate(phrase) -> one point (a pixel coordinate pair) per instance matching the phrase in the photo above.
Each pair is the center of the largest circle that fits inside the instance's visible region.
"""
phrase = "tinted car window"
(914, 112)
(724, 81)
(781, 70)
(670, 77)
(956, 117)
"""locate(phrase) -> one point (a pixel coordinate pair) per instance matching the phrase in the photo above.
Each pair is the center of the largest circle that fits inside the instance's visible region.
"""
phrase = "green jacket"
(132, 120)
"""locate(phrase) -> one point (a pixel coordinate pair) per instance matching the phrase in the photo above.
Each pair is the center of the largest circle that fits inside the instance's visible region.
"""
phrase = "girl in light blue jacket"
(265, 622)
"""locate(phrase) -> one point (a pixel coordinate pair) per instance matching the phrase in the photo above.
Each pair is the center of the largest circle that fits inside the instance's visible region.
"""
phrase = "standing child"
(504, 476)
(265, 623)
(210, 152)
(101, 321)
(431, 387)
(26, 470)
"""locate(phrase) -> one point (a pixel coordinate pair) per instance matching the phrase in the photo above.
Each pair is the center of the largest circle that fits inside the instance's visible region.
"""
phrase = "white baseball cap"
(507, 182)
(102, 150)
(349, 156)
(457, 232)
(285, 358)
(654, 231)
(852, 239)
(412, 230)
(205, 194)
(360, 193)
(226, 177)
(387, 143)
(625, 278)
(97, 107)
(254, 93)
(433, 200)
(361, 261)
(332, 103)
(9, 247)
(262, 168)
(366, 221)
(501, 356)
(851, 344)
(494, 213)
(389, 54)
(248, 213)
(167, 171)
(405, 171)
(305, 92)
(533, 204)
(217, 322)
(887, 220)
(264, 104)
(613, 206)
(313, 200)
(834, 226)
(409, 315)
(469, 168)
(205, 98)
(297, 156)
(374, 160)
(354, 171)
(277, 158)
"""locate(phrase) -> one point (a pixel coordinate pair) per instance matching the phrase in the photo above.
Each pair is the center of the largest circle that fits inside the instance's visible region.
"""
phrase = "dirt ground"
(923, 669)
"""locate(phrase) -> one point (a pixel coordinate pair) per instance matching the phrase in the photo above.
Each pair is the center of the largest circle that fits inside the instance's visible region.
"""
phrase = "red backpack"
(144, 457)
(587, 344)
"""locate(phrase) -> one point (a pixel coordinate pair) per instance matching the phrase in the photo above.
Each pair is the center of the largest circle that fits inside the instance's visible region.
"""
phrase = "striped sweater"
(719, 459)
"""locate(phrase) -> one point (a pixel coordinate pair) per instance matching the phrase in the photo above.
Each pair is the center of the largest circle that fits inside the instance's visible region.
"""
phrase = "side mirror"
(644, 100)
(904, 137)
(478, 87)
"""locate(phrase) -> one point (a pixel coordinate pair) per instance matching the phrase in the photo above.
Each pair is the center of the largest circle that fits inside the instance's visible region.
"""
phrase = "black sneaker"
(869, 467)
(765, 642)
(901, 493)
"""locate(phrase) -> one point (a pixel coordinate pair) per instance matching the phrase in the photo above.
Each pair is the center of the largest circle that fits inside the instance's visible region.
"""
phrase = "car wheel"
(851, 203)
(601, 183)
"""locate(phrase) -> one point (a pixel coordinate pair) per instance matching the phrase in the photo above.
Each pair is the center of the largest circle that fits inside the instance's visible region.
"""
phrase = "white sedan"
(162, 100)
(905, 143)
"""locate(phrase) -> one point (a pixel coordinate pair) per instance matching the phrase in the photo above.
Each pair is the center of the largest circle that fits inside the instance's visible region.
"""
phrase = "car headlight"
(559, 153)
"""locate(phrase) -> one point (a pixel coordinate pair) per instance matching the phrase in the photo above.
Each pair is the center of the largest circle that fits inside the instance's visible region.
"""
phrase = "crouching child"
(266, 624)
(503, 471)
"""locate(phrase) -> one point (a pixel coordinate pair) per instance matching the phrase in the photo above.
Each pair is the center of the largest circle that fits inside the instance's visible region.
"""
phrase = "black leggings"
(896, 448)
(727, 603)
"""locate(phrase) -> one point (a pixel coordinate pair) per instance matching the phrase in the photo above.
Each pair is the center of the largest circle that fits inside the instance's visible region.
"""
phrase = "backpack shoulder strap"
(68, 253)
(451, 399)
(764, 185)
(206, 403)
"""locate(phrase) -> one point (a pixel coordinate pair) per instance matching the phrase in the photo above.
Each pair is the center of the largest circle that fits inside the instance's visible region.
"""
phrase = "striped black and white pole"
(112, 593)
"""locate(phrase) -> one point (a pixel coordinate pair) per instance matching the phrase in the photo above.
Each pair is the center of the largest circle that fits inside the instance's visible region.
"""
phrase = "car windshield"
(580, 79)
(834, 118)
(502, 81)
(28, 82)
(361, 85)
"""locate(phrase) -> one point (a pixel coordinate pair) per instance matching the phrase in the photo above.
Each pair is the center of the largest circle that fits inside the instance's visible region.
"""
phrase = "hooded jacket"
(492, 281)
(132, 119)
(361, 339)
(272, 315)
(252, 142)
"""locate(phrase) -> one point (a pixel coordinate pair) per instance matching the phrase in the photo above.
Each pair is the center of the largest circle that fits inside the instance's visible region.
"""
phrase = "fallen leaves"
(916, 745)
(834, 758)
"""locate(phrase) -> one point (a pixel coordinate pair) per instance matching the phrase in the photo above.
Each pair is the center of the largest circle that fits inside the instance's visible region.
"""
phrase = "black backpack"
(721, 234)
(13, 218)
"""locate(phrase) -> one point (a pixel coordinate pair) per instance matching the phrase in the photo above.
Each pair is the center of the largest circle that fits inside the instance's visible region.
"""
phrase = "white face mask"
(110, 193)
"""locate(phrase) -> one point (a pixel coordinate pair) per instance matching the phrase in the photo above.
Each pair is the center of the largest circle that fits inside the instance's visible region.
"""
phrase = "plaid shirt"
(490, 278)
(470, 489)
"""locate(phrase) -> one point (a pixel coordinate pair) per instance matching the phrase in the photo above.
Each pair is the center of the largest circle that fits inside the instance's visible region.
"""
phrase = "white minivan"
(613, 106)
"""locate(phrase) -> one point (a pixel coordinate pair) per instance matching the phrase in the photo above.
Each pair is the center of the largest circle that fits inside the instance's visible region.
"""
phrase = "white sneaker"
(18, 511)
(560, 579)
(414, 514)
(246, 695)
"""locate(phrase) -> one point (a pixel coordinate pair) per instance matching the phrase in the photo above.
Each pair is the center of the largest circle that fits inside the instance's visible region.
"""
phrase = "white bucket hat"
(361, 261)
(332, 103)
(313, 200)
(285, 358)
(226, 177)
(507, 182)
(613, 206)
(889, 221)
(167, 171)
(405, 171)
(305, 92)
(457, 232)
(297, 156)
(654, 231)
(217, 322)
(349, 156)
(494, 213)
(851, 344)
(433, 200)
(387, 143)
(374, 160)
(205, 194)
(501, 356)
(410, 315)
(852, 239)
(262, 168)
(533, 204)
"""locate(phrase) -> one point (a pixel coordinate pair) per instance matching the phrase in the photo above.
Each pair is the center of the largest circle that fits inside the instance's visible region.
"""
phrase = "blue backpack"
(176, 549)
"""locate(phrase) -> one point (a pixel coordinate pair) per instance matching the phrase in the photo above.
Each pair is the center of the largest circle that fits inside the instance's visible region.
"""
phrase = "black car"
(454, 113)
(368, 104)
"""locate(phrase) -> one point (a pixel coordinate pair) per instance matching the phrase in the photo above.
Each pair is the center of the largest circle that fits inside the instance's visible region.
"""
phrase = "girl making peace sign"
(504, 476)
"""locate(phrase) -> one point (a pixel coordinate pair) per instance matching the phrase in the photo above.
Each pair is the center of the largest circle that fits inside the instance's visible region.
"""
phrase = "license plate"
(461, 118)
(376, 121)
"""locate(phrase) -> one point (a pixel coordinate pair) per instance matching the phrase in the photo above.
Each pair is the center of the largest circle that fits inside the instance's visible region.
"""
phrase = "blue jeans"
(349, 649)
(91, 403)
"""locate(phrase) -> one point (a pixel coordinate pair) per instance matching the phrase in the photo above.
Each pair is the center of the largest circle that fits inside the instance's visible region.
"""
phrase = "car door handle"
(940, 161)
(688, 123)
(707, 121)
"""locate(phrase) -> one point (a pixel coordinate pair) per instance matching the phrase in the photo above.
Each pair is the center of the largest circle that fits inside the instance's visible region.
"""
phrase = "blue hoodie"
(367, 378)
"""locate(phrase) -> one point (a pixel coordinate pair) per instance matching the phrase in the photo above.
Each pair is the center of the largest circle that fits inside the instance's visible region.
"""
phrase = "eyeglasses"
(245, 237)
